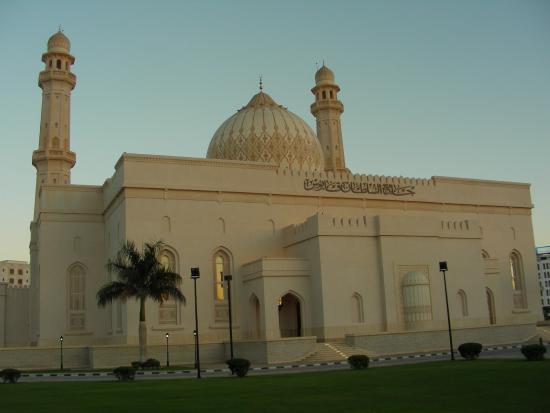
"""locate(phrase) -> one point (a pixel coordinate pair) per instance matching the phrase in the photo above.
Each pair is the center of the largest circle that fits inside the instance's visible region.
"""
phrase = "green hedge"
(358, 361)
(533, 352)
(125, 373)
(239, 367)
(10, 375)
(470, 351)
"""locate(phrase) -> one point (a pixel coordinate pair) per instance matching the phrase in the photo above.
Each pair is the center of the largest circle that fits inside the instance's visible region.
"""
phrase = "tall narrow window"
(463, 303)
(357, 308)
(221, 266)
(76, 287)
(516, 273)
(168, 309)
(58, 64)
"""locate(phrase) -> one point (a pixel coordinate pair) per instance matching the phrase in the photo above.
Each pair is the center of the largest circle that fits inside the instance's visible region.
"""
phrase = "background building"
(15, 273)
(543, 267)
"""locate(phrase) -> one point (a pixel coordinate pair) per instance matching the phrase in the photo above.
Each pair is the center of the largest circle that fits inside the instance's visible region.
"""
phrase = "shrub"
(10, 375)
(136, 365)
(124, 373)
(533, 352)
(470, 351)
(238, 366)
(358, 361)
(150, 364)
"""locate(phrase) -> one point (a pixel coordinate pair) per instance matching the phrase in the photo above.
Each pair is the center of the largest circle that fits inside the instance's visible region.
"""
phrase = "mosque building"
(318, 254)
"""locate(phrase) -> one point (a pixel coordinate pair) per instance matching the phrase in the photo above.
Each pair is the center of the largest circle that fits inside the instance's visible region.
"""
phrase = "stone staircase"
(334, 351)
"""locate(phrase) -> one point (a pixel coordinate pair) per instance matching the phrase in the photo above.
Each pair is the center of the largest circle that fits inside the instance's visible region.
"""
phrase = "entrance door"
(290, 316)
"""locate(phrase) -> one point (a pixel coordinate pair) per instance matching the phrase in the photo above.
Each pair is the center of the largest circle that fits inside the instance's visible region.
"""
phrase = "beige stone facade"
(314, 250)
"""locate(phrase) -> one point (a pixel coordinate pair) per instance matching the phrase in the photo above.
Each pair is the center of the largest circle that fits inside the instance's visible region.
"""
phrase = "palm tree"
(141, 276)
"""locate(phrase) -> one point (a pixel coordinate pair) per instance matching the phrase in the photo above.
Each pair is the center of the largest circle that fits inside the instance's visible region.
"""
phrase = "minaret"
(53, 159)
(327, 109)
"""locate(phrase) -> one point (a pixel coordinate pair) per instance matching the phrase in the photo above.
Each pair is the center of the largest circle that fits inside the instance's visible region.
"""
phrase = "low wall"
(275, 351)
(258, 352)
(113, 356)
(430, 340)
(44, 358)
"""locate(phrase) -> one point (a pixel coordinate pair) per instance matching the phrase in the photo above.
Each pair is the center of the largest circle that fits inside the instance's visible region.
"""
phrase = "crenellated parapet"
(378, 226)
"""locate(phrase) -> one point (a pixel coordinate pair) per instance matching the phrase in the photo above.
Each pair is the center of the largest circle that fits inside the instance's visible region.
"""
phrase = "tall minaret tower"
(327, 109)
(53, 159)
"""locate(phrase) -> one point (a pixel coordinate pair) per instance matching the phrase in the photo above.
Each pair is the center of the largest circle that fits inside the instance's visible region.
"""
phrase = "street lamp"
(195, 274)
(443, 268)
(61, 350)
(228, 278)
(167, 353)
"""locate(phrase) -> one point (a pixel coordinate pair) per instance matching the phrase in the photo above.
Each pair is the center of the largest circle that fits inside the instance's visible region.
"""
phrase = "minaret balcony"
(55, 74)
(53, 154)
(328, 104)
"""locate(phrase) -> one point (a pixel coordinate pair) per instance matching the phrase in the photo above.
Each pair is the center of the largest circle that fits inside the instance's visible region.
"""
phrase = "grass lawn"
(480, 386)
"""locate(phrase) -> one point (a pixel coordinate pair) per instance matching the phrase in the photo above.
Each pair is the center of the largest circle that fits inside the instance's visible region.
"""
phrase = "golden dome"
(264, 131)
(324, 74)
(59, 43)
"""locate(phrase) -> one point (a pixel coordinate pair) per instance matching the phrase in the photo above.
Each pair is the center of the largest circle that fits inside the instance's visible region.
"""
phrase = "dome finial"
(261, 84)
(60, 29)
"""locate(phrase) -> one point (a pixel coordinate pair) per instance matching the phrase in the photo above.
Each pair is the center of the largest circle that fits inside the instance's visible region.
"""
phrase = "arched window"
(221, 267)
(76, 289)
(168, 309)
(331, 95)
(516, 273)
(357, 315)
(462, 303)
(417, 304)
(58, 64)
(324, 94)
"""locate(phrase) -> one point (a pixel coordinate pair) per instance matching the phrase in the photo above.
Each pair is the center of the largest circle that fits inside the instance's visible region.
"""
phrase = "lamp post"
(195, 274)
(228, 278)
(443, 268)
(61, 350)
(167, 353)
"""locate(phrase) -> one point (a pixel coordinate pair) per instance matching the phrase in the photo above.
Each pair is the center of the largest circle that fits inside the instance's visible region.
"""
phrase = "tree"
(141, 276)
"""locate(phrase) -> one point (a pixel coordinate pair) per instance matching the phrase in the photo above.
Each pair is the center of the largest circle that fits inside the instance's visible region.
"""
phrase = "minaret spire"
(327, 110)
(53, 159)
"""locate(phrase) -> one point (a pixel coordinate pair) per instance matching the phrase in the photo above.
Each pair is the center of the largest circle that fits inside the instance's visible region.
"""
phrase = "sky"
(430, 88)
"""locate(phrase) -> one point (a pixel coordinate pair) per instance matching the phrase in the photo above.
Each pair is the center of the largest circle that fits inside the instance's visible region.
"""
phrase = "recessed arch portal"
(290, 315)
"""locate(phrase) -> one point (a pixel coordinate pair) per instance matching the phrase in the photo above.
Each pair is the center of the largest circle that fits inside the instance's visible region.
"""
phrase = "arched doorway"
(290, 316)
(491, 306)
(254, 317)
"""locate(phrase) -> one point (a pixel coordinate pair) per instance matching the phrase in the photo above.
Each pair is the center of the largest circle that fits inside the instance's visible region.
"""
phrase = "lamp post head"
(61, 338)
(228, 277)
(443, 266)
(167, 335)
(195, 272)
(195, 333)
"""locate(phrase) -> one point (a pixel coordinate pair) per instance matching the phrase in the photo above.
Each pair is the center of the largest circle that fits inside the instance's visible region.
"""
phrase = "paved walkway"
(509, 351)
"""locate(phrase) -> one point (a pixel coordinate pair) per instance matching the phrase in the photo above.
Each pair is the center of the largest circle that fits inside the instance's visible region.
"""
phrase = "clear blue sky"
(456, 88)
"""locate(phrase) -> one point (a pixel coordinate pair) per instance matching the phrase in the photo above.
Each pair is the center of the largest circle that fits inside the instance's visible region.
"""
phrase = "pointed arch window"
(221, 266)
(357, 315)
(516, 273)
(463, 303)
(76, 289)
(168, 308)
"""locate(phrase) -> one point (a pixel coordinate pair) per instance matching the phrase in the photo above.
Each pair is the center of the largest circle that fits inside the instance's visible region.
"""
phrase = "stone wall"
(113, 356)
(44, 358)
(421, 341)
(281, 350)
